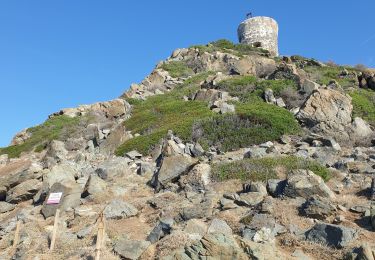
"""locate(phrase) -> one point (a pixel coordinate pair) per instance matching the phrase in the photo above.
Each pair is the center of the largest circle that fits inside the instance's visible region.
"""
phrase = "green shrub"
(363, 101)
(323, 75)
(253, 123)
(249, 88)
(177, 69)
(227, 46)
(265, 168)
(153, 118)
(52, 129)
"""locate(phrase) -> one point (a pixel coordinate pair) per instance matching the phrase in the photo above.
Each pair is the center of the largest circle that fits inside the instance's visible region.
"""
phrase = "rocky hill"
(222, 152)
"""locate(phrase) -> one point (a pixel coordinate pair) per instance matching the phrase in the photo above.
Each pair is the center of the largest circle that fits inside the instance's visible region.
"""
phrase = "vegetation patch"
(324, 75)
(153, 118)
(253, 123)
(55, 128)
(265, 168)
(249, 88)
(363, 101)
(177, 69)
(227, 46)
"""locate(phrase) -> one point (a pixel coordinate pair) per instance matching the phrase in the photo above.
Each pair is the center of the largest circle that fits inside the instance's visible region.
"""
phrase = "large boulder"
(5, 207)
(328, 111)
(171, 169)
(70, 199)
(331, 235)
(113, 168)
(63, 173)
(198, 178)
(326, 106)
(305, 183)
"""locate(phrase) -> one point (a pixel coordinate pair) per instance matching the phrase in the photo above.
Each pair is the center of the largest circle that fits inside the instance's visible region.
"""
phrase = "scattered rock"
(318, 208)
(130, 249)
(331, 235)
(5, 207)
(172, 167)
(23, 191)
(162, 229)
(118, 209)
(219, 226)
(304, 183)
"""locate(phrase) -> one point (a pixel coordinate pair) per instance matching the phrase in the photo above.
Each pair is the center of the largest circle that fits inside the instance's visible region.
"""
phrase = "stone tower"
(261, 32)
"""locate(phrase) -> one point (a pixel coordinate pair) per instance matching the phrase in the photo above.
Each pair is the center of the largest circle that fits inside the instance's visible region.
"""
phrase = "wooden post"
(54, 232)
(100, 236)
(16, 237)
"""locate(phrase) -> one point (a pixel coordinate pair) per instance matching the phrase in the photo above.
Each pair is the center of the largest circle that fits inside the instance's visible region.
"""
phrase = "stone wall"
(260, 32)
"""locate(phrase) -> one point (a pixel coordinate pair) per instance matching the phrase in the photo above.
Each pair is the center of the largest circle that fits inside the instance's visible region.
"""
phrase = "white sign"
(54, 198)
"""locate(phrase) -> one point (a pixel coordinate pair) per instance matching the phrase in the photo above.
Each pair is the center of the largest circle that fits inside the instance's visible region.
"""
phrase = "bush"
(265, 168)
(55, 128)
(323, 75)
(363, 101)
(249, 88)
(253, 123)
(153, 118)
(227, 46)
(177, 69)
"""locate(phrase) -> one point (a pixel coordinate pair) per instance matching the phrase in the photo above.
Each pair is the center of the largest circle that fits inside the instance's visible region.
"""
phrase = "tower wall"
(260, 32)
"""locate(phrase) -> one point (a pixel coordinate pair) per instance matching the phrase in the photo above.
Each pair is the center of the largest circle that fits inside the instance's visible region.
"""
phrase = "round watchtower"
(260, 32)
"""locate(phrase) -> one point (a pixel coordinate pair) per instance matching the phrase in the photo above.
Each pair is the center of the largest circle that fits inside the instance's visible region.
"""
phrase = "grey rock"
(162, 229)
(199, 211)
(304, 183)
(5, 207)
(134, 155)
(219, 226)
(63, 173)
(318, 208)
(118, 209)
(112, 168)
(256, 152)
(172, 167)
(23, 191)
(331, 235)
(197, 150)
(198, 178)
(71, 198)
(130, 249)
(250, 199)
(84, 232)
(195, 226)
(94, 187)
(275, 187)
(3, 193)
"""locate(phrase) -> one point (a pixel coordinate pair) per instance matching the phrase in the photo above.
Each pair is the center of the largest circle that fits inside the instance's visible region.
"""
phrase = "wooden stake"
(54, 233)
(100, 236)
(16, 237)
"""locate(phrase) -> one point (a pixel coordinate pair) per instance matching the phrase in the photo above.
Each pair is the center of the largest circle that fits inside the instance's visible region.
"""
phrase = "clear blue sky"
(56, 54)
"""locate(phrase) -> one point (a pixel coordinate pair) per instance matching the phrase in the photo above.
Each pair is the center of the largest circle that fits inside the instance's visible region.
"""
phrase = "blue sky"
(57, 54)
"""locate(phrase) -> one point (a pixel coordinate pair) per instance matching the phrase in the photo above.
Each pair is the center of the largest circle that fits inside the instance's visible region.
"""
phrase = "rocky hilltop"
(222, 152)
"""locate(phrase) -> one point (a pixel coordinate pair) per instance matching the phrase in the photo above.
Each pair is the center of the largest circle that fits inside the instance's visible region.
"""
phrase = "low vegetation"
(253, 123)
(153, 118)
(265, 168)
(177, 69)
(53, 129)
(363, 101)
(249, 88)
(224, 45)
(324, 75)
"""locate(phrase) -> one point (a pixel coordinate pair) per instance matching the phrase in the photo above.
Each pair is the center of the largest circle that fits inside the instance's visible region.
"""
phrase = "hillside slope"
(222, 151)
